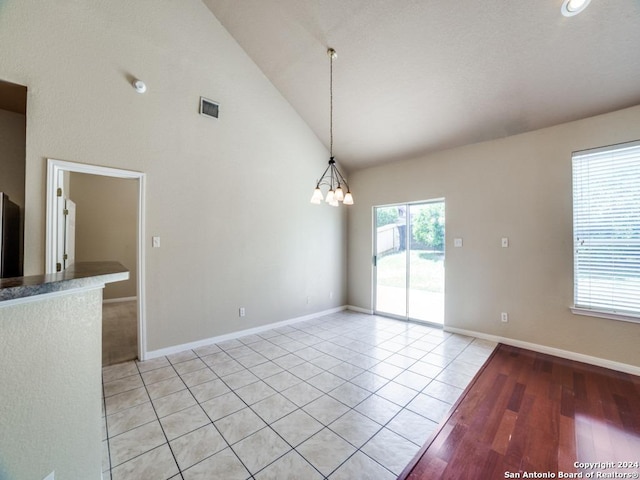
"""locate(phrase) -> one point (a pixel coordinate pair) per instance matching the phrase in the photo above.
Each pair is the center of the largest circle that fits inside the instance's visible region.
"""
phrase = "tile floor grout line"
(111, 467)
(353, 409)
(106, 427)
(159, 422)
(229, 445)
(291, 447)
(211, 422)
(299, 408)
(386, 425)
(269, 425)
(344, 349)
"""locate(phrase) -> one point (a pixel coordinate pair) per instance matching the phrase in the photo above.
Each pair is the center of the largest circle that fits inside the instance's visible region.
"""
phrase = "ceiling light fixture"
(573, 7)
(332, 176)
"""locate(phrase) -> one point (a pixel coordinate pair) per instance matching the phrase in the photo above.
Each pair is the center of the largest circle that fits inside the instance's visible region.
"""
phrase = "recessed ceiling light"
(573, 7)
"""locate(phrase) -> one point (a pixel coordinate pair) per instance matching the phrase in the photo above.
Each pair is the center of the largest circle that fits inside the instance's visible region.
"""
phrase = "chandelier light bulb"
(330, 196)
(317, 196)
(339, 194)
(348, 199)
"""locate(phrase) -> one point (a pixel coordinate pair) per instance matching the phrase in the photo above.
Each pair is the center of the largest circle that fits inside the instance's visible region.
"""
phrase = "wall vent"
(209, 108)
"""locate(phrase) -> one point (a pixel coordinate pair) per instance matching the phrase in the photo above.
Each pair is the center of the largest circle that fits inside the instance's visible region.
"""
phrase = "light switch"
(155, 242)
(505, 242)
(457, 242)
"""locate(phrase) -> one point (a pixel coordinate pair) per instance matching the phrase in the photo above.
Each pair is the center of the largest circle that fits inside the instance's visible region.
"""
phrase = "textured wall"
(228, 197)
(518, 187)
(50, 394)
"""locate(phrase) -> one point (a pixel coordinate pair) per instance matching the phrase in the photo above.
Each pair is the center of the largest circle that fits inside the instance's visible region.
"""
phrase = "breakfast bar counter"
(79, 275)
(51, 382)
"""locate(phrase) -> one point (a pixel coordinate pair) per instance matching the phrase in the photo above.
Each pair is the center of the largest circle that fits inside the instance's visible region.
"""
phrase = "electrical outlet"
(457, 242)
(504, 316)
(308, 300)
(241, 312)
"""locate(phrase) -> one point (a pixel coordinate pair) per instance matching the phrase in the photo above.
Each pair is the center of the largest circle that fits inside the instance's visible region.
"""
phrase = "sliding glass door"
(390, 260)
(409, 261)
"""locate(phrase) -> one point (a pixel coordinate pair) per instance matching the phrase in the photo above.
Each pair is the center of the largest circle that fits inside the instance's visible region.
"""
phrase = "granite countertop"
(78, 275)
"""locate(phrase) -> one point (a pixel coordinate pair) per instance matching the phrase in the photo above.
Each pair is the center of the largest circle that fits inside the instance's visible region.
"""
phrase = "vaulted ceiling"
(417, 76)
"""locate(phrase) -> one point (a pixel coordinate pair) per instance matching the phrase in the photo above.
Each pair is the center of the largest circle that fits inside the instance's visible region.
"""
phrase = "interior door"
(409, 261)
(69, 233)
(66, 229)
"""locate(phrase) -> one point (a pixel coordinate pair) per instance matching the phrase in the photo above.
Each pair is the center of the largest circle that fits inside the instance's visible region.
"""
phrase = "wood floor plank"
(505, 430)
(516, 397)
(566, 444)
(531, 412)
(432, 468)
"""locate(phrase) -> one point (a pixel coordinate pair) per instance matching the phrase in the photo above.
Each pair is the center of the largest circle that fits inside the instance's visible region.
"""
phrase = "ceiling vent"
(209, 108)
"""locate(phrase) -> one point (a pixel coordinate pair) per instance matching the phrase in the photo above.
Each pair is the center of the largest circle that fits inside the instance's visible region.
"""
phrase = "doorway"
(59, 179)
(409, 242)
(13, 131)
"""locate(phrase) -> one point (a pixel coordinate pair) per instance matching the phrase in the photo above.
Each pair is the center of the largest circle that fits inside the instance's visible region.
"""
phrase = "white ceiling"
(416, 76)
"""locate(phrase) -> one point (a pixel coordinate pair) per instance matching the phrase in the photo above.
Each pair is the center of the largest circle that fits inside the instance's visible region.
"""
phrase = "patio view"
(410, 261)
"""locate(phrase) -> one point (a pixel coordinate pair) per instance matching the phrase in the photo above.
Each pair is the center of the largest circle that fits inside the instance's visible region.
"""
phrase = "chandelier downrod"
(332, 55)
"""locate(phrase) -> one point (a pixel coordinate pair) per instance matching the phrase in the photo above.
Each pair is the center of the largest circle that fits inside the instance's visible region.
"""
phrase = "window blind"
(606, 228)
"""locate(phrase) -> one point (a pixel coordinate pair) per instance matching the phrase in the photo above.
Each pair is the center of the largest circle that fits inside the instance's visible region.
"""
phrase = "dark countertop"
(78, 275)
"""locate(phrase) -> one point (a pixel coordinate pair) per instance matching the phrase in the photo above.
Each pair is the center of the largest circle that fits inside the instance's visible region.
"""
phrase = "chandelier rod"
(332, 55)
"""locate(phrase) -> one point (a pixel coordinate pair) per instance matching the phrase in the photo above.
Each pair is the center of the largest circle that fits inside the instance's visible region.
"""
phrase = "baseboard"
(240, 333)
(359, 309)
(119, 300)
(569, 355)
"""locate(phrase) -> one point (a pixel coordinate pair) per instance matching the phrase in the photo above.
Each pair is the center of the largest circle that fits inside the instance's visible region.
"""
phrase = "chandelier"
(332, 176)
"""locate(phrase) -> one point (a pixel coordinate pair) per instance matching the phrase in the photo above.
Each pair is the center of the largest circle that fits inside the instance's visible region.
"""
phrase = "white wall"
(229, 198)
(518, 187)
(50, 400)
(107, 225)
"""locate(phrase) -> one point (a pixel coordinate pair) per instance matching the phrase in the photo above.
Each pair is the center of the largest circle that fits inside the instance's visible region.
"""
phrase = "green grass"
(427, 270)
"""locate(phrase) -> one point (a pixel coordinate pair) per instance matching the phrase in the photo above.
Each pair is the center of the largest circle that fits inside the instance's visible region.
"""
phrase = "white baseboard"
(233, 335)
(119, 300)
(578, 357)
(359, 309)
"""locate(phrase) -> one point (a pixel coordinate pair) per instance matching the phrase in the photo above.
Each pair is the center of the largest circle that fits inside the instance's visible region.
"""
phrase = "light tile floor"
(344, 396)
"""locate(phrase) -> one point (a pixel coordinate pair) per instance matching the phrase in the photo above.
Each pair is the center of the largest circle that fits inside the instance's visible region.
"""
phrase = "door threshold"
(425, 323)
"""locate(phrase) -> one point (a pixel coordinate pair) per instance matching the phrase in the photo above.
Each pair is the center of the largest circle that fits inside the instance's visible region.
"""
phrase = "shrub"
(428, 226)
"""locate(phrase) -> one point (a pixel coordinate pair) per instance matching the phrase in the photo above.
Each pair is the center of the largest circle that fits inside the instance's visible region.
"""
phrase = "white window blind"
(606, 228)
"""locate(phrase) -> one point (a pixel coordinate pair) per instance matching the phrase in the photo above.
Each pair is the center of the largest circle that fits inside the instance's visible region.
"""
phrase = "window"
(606, 230)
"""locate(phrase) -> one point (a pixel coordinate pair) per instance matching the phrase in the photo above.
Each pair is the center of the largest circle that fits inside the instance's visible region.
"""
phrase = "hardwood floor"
(539, 414)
